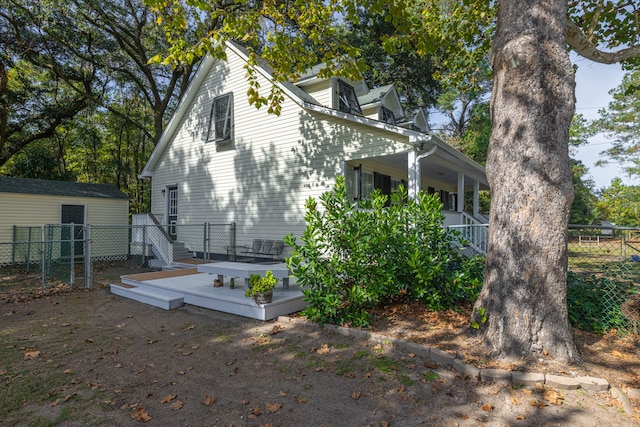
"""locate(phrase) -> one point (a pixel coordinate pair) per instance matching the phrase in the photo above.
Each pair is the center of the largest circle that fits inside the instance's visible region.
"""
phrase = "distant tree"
(410, 73)
(474, 141)
(620, 204)
(584, 202)
(620, 121)
(38, 161)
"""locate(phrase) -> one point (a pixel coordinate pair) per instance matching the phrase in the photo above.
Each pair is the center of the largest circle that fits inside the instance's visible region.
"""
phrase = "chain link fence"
(604, 286)
(43, 258)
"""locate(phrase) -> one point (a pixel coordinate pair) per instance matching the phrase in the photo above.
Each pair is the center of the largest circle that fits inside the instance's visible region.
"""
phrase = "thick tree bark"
(524, 292)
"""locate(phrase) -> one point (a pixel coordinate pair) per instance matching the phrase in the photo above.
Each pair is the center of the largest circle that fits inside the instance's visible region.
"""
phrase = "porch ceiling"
(440, 168)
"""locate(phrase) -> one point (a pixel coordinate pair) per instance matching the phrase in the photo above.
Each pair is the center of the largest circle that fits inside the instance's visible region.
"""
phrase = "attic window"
(347, 99)
(387, 116)
(221, 124)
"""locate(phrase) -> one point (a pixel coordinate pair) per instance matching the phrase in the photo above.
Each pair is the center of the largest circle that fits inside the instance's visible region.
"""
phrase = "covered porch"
(437, 169)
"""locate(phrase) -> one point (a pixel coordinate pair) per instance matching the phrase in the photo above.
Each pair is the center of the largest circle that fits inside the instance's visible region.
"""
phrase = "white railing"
(146, 233)
(474, 232)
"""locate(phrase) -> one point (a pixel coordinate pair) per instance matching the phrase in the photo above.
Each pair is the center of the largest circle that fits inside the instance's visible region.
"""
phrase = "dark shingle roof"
(59, 188)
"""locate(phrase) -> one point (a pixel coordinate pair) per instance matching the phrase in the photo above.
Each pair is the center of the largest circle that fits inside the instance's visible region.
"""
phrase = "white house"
(221, 160)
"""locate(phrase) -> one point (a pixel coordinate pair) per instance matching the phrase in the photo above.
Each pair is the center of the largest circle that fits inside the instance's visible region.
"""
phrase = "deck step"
(156, 297)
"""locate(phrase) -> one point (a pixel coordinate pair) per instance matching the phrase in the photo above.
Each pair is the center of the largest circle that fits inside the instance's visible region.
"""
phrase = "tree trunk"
(524, 293)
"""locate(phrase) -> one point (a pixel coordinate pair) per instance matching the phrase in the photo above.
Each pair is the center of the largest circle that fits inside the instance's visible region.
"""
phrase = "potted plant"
(261, 288)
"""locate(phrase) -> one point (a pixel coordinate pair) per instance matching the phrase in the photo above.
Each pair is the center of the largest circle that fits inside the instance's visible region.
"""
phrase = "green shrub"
(352, 257)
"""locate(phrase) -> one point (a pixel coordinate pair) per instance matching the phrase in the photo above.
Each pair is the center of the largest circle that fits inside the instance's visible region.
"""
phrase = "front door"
(172, 210)
(72, 220)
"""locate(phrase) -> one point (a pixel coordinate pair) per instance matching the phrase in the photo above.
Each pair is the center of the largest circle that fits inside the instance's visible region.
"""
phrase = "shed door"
(72, 214)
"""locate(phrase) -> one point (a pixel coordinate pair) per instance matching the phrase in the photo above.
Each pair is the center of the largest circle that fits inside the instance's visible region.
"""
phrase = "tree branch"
(581, 44)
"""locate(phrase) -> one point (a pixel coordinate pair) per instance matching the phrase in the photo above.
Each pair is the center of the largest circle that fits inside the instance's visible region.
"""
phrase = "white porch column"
(476, 198)
(460, 207)
(413, 169)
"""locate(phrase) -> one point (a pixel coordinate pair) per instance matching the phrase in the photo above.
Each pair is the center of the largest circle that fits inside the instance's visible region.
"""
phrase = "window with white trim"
(221, 123)
(347, 99)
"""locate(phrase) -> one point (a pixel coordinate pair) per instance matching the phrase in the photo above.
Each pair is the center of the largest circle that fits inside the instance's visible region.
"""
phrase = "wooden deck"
(172, 289)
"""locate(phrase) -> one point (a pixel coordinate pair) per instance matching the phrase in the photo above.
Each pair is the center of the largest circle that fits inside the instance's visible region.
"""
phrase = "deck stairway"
(166, 253)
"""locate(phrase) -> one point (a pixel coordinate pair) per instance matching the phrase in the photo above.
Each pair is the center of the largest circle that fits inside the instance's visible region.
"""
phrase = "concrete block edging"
(516, 378)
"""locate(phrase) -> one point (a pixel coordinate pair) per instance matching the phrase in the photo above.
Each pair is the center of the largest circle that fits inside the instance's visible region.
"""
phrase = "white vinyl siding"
(262, 180)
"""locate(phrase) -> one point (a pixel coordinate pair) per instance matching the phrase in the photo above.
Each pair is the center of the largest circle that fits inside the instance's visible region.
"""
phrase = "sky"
(593, 83)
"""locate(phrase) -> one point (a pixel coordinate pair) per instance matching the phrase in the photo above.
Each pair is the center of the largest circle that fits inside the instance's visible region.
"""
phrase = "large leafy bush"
(353, 256)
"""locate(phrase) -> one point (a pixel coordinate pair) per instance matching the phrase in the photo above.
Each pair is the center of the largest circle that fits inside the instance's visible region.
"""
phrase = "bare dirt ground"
(91, 358)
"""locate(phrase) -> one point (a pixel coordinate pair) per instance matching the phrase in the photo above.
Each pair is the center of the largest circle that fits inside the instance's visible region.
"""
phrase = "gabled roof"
(59, 188)
(414, 138)
(375, 95)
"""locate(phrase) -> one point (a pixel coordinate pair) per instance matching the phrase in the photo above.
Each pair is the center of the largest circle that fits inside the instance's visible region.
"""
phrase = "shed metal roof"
(59, 188)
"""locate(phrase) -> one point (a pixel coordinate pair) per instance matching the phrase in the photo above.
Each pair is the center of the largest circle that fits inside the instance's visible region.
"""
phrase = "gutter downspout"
(414, 170)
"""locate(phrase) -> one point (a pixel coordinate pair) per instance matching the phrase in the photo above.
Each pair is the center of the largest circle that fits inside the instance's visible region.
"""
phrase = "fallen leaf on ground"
(553, 397)
(256, 411)
(355, 395)
(245, 402)
(488, 407)
(301, 399)
(168, 398)
(538, 403)
(273, 407)
(121, 325)
(55, 402)
(139, 414)
(520, 417)
(188, 328)
(209, 400)
(324, 349)
(31, 354)
(282, 394)
(178, 404)
(276, 329)
(515, 400)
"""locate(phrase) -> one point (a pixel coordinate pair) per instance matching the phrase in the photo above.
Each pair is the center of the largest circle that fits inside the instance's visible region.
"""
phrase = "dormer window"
(221, 123)
(347, 99)
(387, 116)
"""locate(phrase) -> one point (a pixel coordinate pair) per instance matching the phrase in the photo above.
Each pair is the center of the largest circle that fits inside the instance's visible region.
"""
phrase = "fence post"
(144, 245)
(205, 248)
(13, 247)
(88, 265)
(41, 256)
(72, 252)
(29, 252)
(233, 234)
